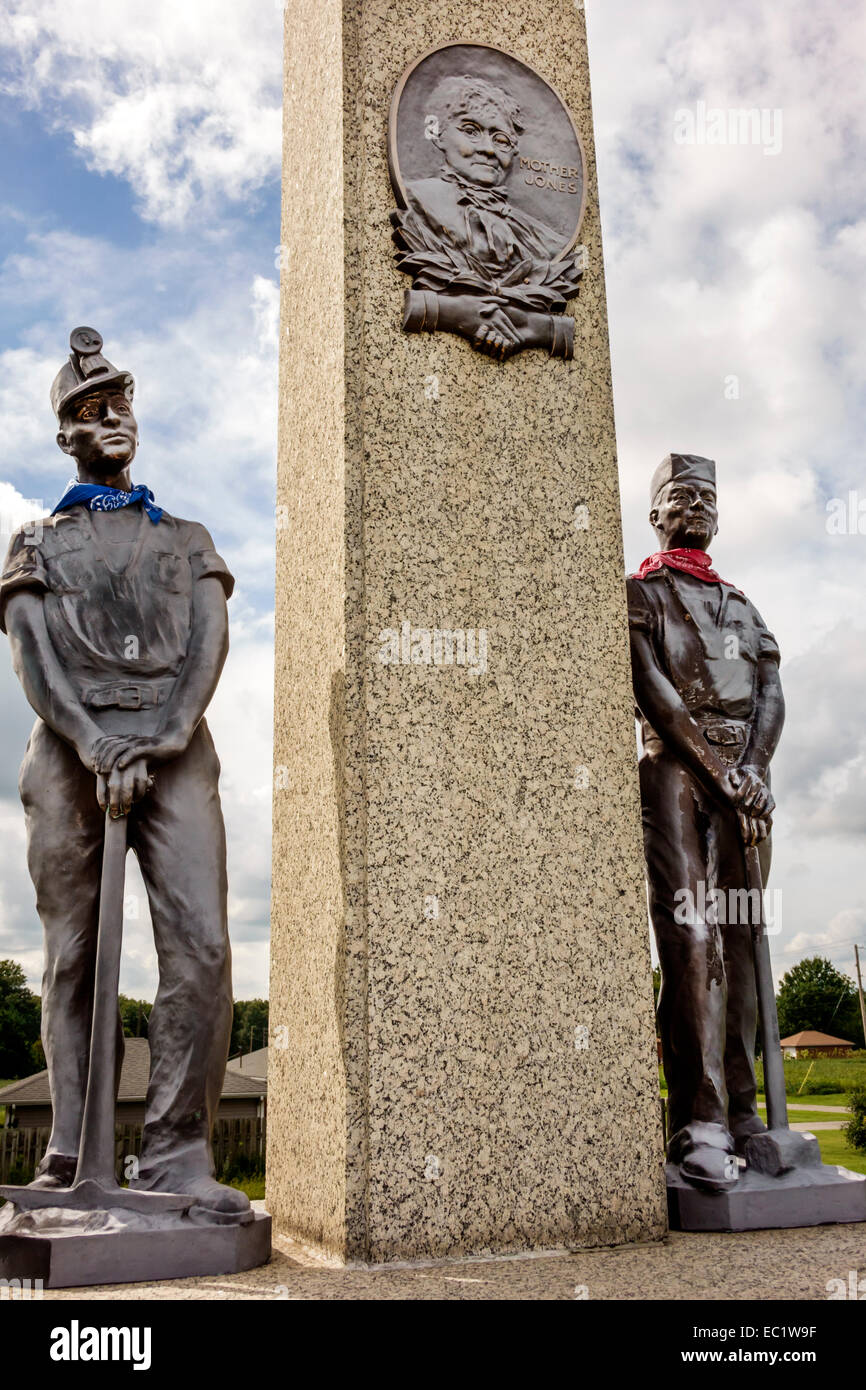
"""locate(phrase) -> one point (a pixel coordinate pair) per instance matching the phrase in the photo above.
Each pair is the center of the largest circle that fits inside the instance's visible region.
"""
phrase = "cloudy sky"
(139, 193)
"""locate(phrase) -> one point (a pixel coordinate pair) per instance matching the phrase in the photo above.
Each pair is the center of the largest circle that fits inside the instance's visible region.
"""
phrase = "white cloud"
(722, 262)
(843, 929)
(266, 308)
(180, 100)
(16, 510)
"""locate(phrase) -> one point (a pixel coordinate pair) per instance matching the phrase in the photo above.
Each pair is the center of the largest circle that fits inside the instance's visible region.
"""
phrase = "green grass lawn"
(826, 1081)
(835, 1150)
(810, 1116)
(823, 1076)
(817, 1102)
(253, 1187)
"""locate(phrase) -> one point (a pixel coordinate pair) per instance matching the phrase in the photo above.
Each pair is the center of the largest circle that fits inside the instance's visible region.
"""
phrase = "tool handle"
(96, 1155)
(774, 1066)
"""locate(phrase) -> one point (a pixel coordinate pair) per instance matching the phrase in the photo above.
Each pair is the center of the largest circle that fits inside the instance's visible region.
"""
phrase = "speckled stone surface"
(462, 1045)
(743, 1268)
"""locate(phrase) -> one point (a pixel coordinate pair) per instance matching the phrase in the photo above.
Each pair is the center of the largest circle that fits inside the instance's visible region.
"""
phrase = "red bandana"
(694, 562)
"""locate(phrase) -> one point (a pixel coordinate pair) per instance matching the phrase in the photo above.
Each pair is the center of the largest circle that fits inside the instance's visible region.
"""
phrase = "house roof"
(250, 1063)
(34, 1090)
(809, 1038)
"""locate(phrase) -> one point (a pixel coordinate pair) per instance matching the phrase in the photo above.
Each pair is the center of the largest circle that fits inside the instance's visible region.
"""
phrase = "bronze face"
(480, 144)
(685, 515)
(100, 431)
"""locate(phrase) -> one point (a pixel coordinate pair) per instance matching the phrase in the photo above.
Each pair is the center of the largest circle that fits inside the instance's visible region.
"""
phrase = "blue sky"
(139, 193)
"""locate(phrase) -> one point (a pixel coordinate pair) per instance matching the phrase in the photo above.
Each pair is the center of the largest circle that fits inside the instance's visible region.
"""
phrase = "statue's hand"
(100, 754)
(117, 791)
(493, 332)
(159, 747)
(754, 830)
(752, 796)
(119, 752)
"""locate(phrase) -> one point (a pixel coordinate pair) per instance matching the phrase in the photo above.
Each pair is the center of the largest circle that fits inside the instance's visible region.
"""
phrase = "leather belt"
(126, 696)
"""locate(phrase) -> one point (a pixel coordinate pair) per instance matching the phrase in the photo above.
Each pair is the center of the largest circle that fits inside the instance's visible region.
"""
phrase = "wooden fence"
(238, 1145)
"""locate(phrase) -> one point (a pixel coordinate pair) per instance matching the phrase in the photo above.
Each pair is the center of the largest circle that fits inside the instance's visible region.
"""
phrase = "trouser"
(177, 833)
(707, 1012)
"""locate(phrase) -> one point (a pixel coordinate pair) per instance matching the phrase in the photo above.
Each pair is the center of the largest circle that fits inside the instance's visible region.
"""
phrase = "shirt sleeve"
(768, 647)
(204, 559)
(24, 569)
(641, 617)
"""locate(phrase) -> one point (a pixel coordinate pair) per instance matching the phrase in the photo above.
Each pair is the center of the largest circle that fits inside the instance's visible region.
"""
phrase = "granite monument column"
(463, 1051)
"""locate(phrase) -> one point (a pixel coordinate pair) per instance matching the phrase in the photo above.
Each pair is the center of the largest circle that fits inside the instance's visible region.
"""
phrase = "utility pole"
(860, 989)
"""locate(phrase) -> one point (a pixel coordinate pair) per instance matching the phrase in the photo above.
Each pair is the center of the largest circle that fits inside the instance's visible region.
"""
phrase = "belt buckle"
(129, 697)
(725, 735)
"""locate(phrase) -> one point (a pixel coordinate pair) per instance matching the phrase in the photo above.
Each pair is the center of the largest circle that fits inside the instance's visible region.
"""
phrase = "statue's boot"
(705, 1155)
(710, 1169)
(744, 1130)
(55, 1170)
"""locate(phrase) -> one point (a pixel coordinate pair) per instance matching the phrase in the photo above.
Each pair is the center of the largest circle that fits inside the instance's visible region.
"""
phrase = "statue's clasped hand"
(121, 764)
(117, 791)
(492, 330)
(754, 803)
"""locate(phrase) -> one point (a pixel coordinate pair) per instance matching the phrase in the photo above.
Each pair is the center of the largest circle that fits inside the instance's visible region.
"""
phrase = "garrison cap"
(682, 468)
(85, 370)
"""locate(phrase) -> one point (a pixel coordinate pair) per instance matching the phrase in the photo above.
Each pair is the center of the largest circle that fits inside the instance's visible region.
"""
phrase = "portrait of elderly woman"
(481, 267)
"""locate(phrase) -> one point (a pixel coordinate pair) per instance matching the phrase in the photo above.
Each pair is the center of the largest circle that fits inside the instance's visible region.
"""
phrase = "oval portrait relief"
(488, 170)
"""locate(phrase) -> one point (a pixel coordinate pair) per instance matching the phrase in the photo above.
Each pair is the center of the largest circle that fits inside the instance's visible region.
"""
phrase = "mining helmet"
(85, 370)
(684, 468)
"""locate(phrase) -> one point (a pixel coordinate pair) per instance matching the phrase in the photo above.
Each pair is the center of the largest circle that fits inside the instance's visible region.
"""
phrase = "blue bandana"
(107, 499)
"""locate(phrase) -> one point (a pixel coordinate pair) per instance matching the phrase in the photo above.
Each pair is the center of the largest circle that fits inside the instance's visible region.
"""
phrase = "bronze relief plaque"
(488, 170)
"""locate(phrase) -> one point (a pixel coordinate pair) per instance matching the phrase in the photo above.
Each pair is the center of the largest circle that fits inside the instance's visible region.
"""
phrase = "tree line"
(21, 1018)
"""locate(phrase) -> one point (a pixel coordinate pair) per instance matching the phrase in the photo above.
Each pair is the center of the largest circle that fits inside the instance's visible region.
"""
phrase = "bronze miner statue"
(116, 617)
(709, 700)
(706, 681)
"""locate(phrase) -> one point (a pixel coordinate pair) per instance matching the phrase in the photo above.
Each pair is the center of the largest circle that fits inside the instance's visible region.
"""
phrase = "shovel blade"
(779, 1150)
(95, 1196)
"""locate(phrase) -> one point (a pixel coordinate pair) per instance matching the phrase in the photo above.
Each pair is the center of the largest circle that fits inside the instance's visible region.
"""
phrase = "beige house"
(28, 1102)
(812, 1044)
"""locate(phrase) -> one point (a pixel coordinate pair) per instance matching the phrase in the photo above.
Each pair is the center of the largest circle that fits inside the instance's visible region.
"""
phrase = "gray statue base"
(71, 1249)
(814, 1196)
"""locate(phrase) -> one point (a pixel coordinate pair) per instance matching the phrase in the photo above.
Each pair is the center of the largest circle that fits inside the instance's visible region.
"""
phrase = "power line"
(827, 946)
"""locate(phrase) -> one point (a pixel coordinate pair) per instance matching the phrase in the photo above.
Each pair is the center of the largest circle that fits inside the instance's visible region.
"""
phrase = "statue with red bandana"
(709, 699)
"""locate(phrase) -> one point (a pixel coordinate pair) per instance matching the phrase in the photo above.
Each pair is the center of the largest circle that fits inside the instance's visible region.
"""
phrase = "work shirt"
(119, 615)
(707, 639)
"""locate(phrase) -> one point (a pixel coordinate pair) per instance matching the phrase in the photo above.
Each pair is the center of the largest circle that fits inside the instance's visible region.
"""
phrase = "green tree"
(134, 1014)
(814, 994)
(20, 1017)
(249, 1026)
(855, 1130)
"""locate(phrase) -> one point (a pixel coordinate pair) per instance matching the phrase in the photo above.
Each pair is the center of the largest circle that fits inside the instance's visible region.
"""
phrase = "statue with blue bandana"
(116, 617)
